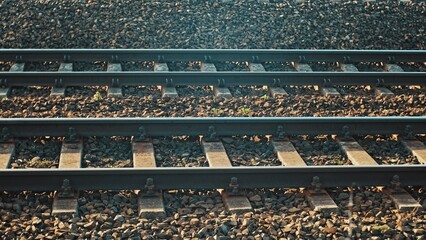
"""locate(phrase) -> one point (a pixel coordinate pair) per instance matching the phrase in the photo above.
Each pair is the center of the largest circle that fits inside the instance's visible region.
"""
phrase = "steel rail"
(209, 78)
(24, 127)
(212, 55)
(210, 178)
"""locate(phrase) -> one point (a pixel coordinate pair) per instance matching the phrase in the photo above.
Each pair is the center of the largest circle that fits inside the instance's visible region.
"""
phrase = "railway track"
(115, 78)
(149, 180)
(220, 174)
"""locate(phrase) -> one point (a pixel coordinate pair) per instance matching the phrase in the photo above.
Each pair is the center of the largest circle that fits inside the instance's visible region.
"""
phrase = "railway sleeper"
(234, 201)
(219, 91)
(166, 91)
(150, 200)
(317, 197)
(274, 91)
(4, 88)
(114, 90)
(325, 90)
(358, 156)
(59, 90)
(66, 201)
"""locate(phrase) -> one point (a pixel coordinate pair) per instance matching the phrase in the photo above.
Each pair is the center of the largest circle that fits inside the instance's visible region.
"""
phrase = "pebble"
(255, 198)
(90, 224)
(216, 33)
(175, 28)
(194, 221)
(119, 218)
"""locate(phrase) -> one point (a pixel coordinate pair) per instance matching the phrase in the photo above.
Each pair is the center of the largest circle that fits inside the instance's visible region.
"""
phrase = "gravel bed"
(278, 66)
(212, 24)
(184, 66)
(184, 203)
(26, 214)
(232, 66)
(137, 66)
(356, 90)
(325, 66)
(84, 102)
(387, 150)
(259, 91)
(189, 90)
(41, 152)
(373, 215)
(194, 91)
(250, 151)
(106, 214)
(413, 67)
(107, 152)
(149, 93)
(200, 214)
(418, 193)
(302, 90)
(41, 66)
(179, 152)
(30, 92)
(90, 66)
(92, 93)
(5, 66)
(414, 91)
(369, 67)
(198, 24)
(320, 150)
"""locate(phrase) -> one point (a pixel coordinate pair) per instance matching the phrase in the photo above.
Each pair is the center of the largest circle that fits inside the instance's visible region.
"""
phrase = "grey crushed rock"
(213, 24)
